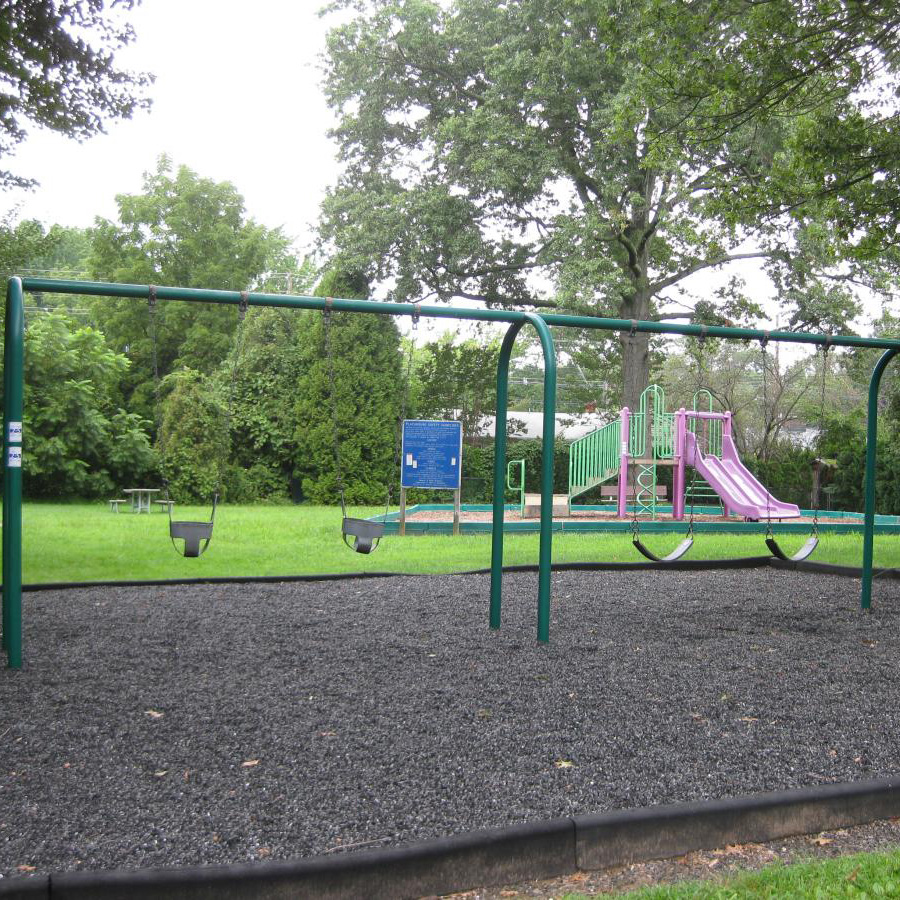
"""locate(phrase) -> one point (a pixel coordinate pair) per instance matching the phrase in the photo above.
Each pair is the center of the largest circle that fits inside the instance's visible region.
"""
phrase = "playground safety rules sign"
(432, 454)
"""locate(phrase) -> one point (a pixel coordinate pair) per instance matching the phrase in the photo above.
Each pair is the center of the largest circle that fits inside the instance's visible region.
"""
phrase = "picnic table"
(140, 498)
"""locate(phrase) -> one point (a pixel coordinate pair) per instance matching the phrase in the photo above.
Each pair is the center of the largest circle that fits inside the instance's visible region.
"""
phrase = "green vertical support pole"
(545, 554)
(499, 473)
(865, 600)
(13, 382)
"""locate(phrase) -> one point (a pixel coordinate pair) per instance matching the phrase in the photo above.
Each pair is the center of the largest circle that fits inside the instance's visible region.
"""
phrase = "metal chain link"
(705, 435)
(332, 386)
(238, 344)
(765, 364)
(157, 391)
(701, 340)
(825, 349)
(635, 524)
(398, 431)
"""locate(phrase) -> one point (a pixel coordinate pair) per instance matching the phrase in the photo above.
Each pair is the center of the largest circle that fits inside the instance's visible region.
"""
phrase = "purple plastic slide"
(734, 483)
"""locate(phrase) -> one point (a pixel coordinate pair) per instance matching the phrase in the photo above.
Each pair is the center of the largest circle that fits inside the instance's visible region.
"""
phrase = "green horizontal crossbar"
(198, 295)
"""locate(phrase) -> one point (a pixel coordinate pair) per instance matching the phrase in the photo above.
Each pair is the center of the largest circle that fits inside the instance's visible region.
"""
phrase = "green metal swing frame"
(13, 375)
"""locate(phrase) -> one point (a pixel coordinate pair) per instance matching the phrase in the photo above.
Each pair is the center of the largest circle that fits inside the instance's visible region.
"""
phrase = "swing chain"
(336, 443)
(825, 348)
(157, 391)
(705, 435)
(704, 427)
(398, 431)
(763, 341)
(635, 525)
(239, 341)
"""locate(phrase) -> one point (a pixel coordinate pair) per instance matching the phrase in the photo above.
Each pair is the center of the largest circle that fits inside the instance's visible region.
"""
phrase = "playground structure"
(631, 449)
(14, 440)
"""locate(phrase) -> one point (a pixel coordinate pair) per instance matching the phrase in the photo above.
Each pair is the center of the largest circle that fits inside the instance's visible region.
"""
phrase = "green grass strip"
(860, 876)
(87, 542)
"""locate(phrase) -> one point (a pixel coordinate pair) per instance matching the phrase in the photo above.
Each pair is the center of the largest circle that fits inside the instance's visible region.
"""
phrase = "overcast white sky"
(236, 98)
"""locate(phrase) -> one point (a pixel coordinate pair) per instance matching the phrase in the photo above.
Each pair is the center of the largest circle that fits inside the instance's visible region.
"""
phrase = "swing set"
(701, 439)
(194, 534)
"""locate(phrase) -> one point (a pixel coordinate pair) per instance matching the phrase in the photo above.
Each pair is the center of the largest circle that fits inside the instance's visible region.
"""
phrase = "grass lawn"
(863, 875)
(87, 542)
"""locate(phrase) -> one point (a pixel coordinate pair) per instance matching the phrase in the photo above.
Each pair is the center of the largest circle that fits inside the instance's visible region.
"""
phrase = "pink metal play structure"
(740, 491)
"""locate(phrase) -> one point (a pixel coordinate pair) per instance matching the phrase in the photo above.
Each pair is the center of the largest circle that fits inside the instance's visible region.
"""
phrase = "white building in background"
(799, 433)
(569, 426)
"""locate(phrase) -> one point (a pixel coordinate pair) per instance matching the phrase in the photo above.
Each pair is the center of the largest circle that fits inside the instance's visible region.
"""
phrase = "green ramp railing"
(594, 458)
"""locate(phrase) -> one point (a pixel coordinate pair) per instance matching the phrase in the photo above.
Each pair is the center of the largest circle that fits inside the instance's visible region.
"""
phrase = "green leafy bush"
(193, 440)
(79, 442)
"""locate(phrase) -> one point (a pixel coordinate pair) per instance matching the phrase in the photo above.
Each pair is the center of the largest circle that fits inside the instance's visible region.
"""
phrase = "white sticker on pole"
(14, 458)
(15, 432)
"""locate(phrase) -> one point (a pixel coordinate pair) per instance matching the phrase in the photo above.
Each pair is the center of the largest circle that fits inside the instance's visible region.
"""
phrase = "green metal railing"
(707, 431)
(660, 430)
(697, 490)
(594, 458)
(520, 487)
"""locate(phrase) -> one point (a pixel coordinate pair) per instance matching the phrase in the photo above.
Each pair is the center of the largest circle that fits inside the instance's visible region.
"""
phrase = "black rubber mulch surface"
(162, 726)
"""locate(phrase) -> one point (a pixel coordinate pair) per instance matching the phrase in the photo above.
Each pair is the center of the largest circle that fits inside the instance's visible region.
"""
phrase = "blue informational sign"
(432, 454)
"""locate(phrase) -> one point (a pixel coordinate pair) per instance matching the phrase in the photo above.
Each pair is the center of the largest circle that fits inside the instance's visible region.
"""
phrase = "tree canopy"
(82, 441)
(188, 231)
(57, 70)
(21, 243)
(831, 69)
(459, 381)
(353, 384)
(529, 154)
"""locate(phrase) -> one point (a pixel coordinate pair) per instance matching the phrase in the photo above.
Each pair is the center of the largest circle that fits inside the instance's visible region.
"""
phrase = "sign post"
(432, 458)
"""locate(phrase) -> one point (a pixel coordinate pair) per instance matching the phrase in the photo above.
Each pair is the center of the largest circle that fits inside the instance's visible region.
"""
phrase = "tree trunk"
(635, 367)
(635, 348)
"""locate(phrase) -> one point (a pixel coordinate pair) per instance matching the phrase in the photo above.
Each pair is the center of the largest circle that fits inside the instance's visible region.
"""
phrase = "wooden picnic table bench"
(612, 490)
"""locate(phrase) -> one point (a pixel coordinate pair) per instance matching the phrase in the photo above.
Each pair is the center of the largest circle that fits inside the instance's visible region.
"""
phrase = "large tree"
(527, 154)
(57, 70)
(22, 243)
(459, 381)
(348, 400)
(830, 68)
(187, 231)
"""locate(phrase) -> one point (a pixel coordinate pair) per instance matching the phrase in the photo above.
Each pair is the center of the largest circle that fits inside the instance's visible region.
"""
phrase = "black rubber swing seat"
(805, 551)
(192, 533)
(365, 534)
(677, 553)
